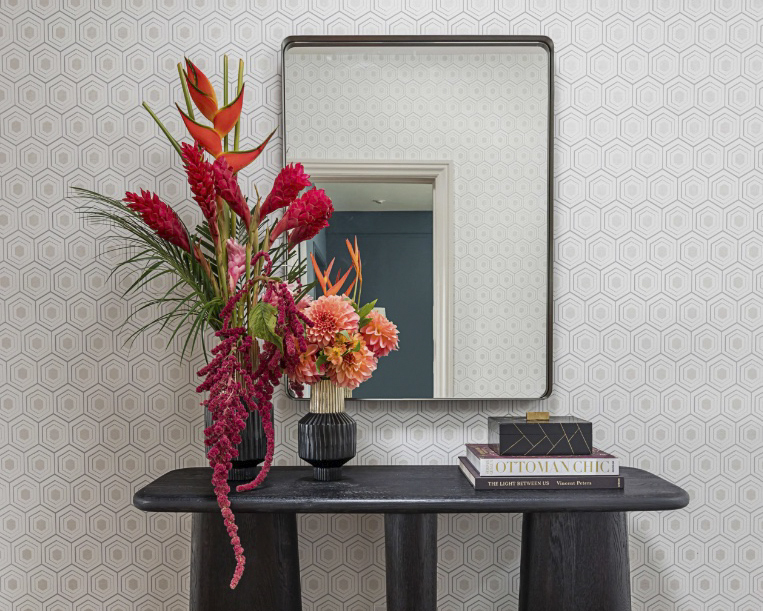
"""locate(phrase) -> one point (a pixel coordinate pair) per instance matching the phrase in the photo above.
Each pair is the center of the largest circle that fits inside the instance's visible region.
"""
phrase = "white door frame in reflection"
(440, 175)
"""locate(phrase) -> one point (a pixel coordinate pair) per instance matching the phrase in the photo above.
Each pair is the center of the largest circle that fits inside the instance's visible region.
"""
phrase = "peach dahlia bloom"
(330, 314)
(354, 368)
(306, 372)
(380, 334)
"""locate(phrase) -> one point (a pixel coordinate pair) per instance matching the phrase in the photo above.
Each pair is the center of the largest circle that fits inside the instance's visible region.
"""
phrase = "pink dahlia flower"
(330, 314)
(305, 217)
(236, 262)
(289, 182)
(306, 372)
(159, 217)
(354, 368)
(380, 334)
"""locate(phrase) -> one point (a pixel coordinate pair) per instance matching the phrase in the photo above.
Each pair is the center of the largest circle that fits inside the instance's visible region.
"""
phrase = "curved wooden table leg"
(575, 562)
(271, 579)
(411, 558)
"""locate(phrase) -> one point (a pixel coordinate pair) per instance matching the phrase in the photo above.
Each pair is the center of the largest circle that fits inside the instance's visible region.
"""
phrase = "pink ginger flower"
(305, 217)
(227, 188)
(159, 217)
(201, 178)
(354, 367)
(380, 334)
(330, 314)
(236, 262)
(289, 182)
(304, 303)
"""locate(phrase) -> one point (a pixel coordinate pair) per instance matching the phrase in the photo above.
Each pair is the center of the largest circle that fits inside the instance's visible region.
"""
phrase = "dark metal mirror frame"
(434, 41)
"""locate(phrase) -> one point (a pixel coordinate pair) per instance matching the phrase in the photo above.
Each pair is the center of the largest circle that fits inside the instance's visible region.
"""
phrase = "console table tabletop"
(574, 542)
(400, 489)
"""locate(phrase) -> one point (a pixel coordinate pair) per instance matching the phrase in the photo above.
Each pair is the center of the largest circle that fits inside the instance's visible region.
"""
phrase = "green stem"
(173, 142)
(225, 89)
(237, 132)
(186, 95)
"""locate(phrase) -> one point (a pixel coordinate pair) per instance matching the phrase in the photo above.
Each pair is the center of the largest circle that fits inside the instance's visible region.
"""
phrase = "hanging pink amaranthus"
(231, 384)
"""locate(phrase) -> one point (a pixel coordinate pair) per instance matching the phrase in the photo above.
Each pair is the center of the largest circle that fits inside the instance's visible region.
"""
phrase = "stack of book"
(555, 453)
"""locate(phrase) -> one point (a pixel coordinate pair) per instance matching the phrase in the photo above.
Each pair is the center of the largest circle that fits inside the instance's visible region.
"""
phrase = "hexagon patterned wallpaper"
(486, 112)
(659, 270)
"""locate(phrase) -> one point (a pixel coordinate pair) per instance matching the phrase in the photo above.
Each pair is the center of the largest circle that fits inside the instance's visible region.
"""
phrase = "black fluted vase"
(251, 450)
(327, 435)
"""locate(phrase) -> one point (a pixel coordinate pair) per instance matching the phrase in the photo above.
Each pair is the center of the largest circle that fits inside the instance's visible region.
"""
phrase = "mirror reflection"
(437, 159)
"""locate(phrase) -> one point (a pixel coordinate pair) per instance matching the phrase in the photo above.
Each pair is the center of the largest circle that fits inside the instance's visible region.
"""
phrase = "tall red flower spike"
(289, 182)
(227, 188)
(201, 178)
(159, 217)
(305, 217)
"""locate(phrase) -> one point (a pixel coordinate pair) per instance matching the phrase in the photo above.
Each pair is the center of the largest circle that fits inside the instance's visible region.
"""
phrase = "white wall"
(659, 265)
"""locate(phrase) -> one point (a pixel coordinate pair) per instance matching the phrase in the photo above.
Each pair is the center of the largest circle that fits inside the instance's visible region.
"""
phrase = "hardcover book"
(599, 482)
(559, 436)
(489, 463)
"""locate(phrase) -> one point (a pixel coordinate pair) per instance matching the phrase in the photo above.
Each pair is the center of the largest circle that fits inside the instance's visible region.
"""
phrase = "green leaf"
(362, 323)
(320, 361)
(262, 322)
(366, 309)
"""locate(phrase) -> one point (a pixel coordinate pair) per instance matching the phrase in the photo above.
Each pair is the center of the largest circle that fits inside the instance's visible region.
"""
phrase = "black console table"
(574, 543)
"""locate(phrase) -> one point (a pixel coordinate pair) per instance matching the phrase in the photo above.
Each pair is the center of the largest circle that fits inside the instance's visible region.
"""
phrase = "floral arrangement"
(344, 340)
(230, 274)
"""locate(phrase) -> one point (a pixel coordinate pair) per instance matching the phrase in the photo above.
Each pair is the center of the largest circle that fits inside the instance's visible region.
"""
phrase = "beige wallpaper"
(658, 307)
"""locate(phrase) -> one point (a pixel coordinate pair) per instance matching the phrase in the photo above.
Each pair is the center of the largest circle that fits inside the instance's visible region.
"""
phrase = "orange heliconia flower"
(223, 119)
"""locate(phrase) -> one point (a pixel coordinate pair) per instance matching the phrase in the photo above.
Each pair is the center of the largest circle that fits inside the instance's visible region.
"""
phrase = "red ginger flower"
(289, 182)
(305, 217)
(202, 181)
(159, 217)
(228, 189)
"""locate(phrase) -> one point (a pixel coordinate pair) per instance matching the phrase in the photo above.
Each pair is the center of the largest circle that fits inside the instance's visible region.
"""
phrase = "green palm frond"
(191, 298)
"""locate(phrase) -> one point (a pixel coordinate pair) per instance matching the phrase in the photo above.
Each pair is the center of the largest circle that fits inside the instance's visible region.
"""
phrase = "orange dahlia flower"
(307, 372)
(330, 314)
(380, 334)
(354, 368)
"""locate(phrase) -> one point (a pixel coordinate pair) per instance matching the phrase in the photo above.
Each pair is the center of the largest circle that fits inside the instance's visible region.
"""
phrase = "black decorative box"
(559, 436)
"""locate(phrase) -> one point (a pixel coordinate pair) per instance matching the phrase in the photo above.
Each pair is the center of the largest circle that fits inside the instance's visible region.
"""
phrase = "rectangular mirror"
(437, 153)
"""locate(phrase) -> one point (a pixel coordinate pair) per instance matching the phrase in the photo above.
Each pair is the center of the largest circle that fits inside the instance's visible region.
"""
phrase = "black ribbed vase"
(251, 450)
(327, 436)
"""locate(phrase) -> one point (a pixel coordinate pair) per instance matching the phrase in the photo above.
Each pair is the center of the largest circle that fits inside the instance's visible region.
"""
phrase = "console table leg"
(411, 555)
(575, 561)
(271, 577)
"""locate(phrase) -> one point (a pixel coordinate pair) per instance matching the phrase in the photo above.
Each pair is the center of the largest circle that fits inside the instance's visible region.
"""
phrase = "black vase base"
(327, 474)
(244, 473)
